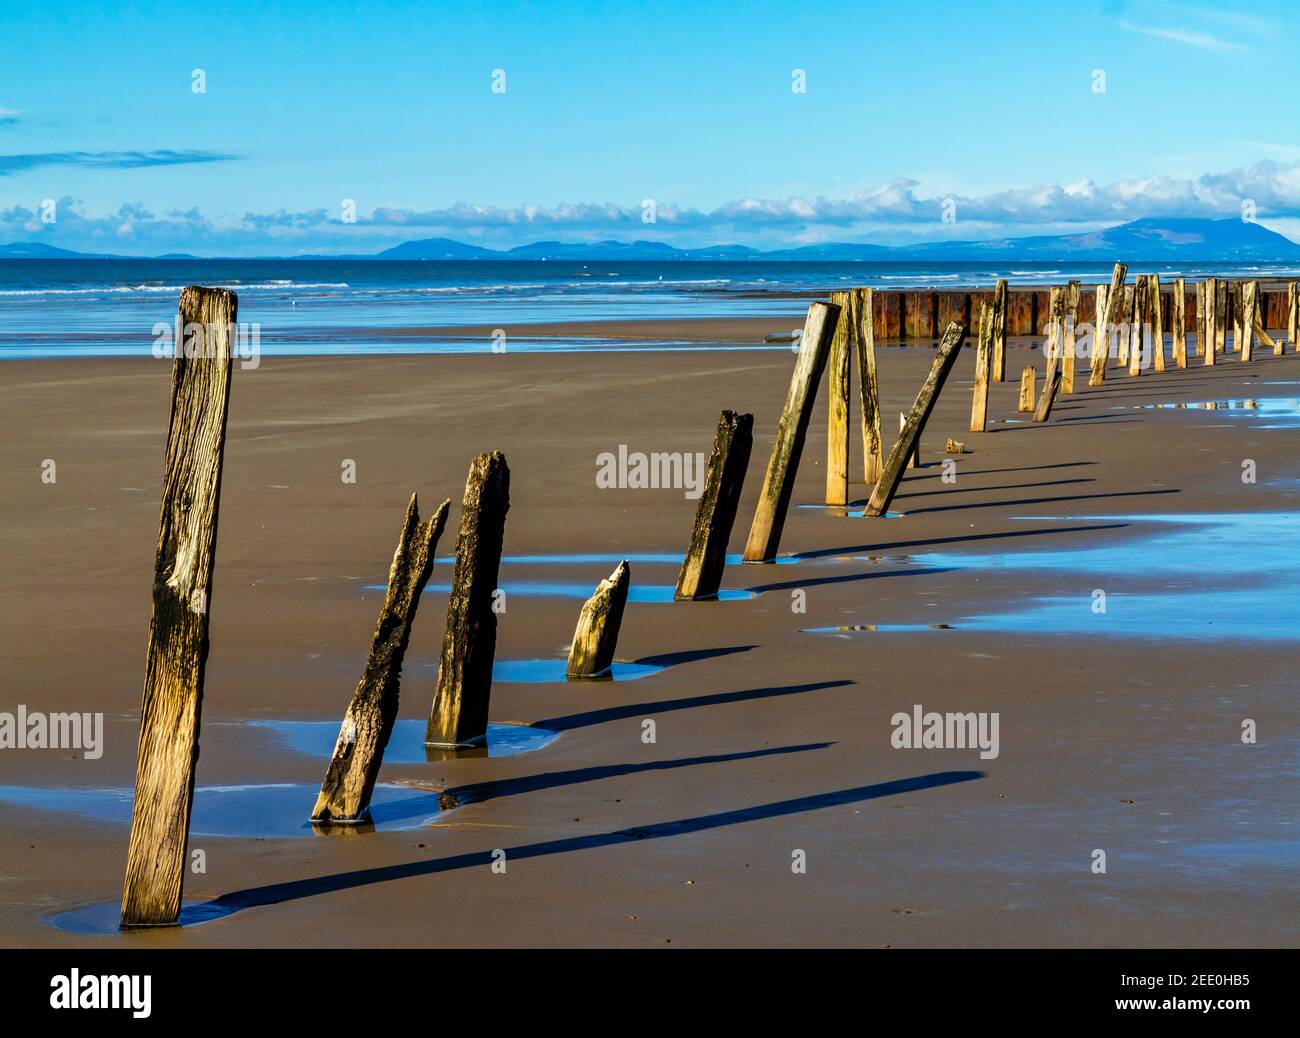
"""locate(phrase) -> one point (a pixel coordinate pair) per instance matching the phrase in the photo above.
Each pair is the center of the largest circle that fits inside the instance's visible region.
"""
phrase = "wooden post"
(983, 359)
(1293, 313)
(350, 776)
(182, 597)
(778, 483)
(837, 384)
(1200, 318)
(1072, 292)
(1101, 336)
(701, 573)
(1000, 330)
(1237, 292)
(1179, 318)
(1028, 388)
(1137, 299)
(1054, 349)
(460, 700)
(594, 640)
(1247, 317)
(1155, 313)
(1221, 305)
(887, 487)
(1211, 321)
(868, 389)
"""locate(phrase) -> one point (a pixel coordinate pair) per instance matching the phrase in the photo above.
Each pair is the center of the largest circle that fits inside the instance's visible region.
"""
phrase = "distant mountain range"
(1149, 240)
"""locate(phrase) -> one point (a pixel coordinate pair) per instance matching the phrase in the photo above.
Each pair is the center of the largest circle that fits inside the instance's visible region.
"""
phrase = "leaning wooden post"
(1101, 336)
(350, 776)
(868, 388)
(182, 596)
(983, 359)
(1028, 388)
(883, 494)
(778, 483)
(594, 640)
(1053, 348)
(1155, 313)
(1000, 330)
(1293, 312)
(1072, 292)
(1179, 322)
(1247, 302)
(837, 383)
(1259, 321)
(701, 573)
(460, 700)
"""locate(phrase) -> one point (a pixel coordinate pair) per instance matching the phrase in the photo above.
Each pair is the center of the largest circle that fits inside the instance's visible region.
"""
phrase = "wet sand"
(768, 740)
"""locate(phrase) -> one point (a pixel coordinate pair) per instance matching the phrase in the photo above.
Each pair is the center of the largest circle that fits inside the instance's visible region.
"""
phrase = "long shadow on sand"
(846, 578)
(478, 792)
(296, 890)
(981, 490)
(996, 472)
(673, 659)
(879, 546)
(617, 713)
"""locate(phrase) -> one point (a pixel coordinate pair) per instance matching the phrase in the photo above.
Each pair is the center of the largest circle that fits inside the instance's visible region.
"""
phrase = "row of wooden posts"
(833, 334)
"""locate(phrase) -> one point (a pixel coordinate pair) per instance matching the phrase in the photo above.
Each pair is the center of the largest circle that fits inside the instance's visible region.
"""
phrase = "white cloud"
(1191, 37)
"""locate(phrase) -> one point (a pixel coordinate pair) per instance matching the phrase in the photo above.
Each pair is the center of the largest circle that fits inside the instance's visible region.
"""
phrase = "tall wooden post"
(1028, 388)
(182, 597)
(778, 482)
(887, 487)
(868, 388)
(1211, 322)
(837, 384)
(983, 359)
(1236, 299)
(350, 776)
(1101, 337)
(592, 652)
(1222, 301)
(459, 715)
(1137, 358)
(1000, 330)
(1072, 292)
(1247, 317)
(1293, 313)
(1179, 320)
(1054, 349)
(1155, 313)
(701, 573)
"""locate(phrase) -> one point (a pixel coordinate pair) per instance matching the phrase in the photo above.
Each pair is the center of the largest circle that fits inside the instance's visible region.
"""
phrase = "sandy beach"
(769, 740)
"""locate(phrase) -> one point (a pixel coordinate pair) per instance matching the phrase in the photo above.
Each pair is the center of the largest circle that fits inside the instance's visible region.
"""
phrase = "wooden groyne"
(921, 316)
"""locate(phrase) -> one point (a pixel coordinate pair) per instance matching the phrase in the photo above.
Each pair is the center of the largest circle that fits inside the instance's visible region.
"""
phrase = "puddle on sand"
(848, 512)
(101, 919)
(538, 671)
(406, 744)
(1276, 412)
(271, 811)
(1195, 576)
(860, 628)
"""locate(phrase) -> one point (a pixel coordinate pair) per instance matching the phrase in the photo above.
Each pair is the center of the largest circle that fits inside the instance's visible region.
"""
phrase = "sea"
(52, 308)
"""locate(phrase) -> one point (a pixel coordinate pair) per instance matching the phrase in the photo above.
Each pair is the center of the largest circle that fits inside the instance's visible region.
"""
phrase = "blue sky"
(607, 105)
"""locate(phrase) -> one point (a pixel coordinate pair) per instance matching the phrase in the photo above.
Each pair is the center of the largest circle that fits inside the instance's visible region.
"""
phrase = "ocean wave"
(145, 289)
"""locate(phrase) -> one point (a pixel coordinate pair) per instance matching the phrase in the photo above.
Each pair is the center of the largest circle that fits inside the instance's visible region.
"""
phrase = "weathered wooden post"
(701, 573)
(1200, 318)
(1211, 324)
(1053, 347)
(1136, 297)
(1000, 330)
(1222, 301)
(596, 636)
(868, 388)
(1155, 313)
(1293, 312)
(460, 700)
(1028, 388)
(1179, 321)
(1247, 317)
(1235, 301)
(368, 722)
(837, 383)
(182, 597)
(983, 359)
(1101, 336)
(883, 493)
(778, 482)
(1072, 292)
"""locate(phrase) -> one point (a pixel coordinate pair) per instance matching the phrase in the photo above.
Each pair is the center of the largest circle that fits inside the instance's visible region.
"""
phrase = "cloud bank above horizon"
(890, 213)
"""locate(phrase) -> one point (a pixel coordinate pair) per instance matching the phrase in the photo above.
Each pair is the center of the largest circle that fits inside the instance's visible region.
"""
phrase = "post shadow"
(959, 539)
